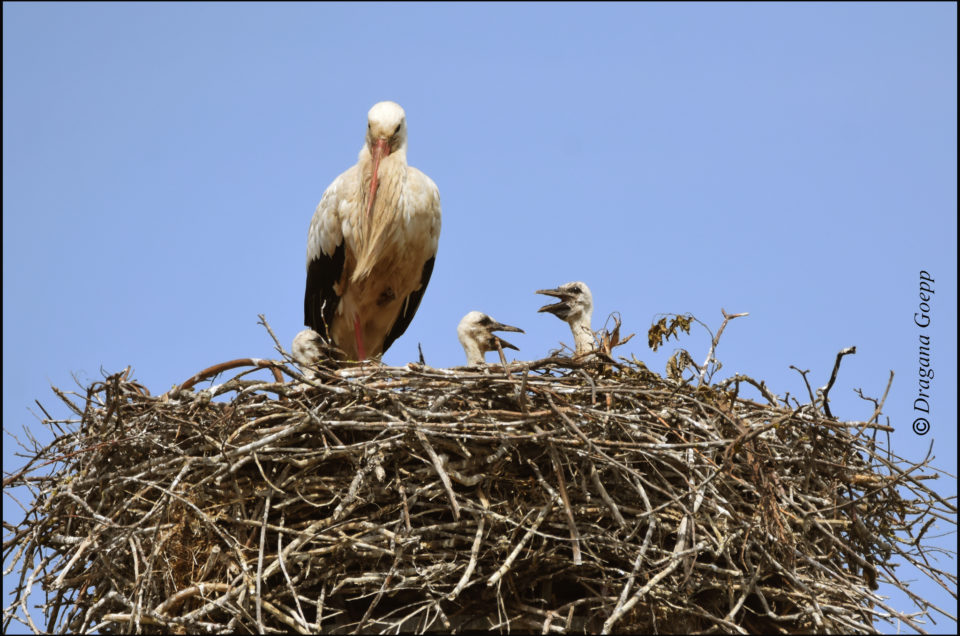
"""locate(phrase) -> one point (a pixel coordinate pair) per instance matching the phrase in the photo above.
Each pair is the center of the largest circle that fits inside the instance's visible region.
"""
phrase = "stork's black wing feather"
(320, 300)
(410, 306)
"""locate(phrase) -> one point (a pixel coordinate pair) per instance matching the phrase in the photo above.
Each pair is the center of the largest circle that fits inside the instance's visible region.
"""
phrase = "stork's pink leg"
(361, 352)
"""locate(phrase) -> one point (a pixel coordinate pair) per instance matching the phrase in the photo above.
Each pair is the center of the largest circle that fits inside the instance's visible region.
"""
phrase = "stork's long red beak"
(380, 149)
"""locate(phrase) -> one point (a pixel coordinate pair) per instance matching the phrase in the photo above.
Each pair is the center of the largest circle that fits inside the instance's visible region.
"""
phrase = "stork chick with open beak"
(372, 243)
(576, 309)
(475, 332)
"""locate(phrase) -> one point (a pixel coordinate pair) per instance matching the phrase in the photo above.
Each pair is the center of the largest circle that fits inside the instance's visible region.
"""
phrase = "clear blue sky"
(161, 163)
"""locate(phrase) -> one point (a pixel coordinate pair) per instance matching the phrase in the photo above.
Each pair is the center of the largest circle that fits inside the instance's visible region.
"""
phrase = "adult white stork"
(475, 333)
(576, 309)
(372, 243)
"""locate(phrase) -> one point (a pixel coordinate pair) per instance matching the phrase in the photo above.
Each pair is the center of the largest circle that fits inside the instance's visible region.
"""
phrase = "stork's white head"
(576, 302)
(386, 129)
(386, 135)
(306, 348)
(576, 309)
(475, 332)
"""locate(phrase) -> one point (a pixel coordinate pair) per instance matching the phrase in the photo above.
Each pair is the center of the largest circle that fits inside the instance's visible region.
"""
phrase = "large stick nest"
(556, 495)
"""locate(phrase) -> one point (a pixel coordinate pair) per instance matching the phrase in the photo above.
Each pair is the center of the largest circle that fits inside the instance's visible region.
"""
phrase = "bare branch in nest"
(716, 340)
(760, 386)
(276, 343)
(803, 373)
(217, 369)
(823, 391)
(878, 404)
(555, 495)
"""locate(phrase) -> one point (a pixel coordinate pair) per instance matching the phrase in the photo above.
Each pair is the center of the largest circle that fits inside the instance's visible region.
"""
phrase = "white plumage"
(372, 243)
(475, 333)
(576, 309)
(306, 349)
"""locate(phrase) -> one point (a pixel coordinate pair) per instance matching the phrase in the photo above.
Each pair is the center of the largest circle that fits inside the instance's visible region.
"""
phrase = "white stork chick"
(372, 243)
(306, 349)
(576, 309)
(475, 332)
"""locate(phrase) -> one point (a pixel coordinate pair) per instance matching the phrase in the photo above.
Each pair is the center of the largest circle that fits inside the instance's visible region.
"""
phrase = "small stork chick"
(576, 309)
(475, 332)
(307, 349)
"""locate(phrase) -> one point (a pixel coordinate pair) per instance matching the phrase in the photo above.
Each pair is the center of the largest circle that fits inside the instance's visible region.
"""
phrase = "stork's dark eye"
(486, 320)
(578, 289)
(397, 129)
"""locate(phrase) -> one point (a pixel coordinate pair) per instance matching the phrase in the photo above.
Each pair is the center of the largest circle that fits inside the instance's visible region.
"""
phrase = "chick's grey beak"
(561, 309)
(499, 326)
(556, 293)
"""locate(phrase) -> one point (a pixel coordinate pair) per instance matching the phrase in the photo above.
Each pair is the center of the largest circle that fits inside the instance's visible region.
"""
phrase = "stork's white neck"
(472, 349)
(582, 334)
